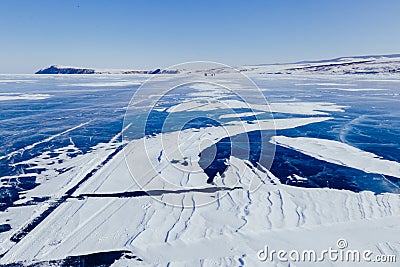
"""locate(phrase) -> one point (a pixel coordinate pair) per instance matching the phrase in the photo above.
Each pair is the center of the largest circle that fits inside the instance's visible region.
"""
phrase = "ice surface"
(341, 154)
(102, 84)
(21, 150)
(101, 207)
(305, 108)
(233, 223)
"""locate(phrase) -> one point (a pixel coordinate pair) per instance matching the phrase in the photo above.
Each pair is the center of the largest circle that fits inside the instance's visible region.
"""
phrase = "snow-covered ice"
(305, 108)
(341, 154)
(151, 195)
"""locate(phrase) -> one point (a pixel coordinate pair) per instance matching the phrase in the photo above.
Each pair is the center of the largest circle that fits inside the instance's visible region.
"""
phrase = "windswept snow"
(18, 96)
(237, 225)
(15, 80)
(340, 153)
(240, 115)
(304, 108)
(102, 84)
(61, 175)
(325, 84)
(351, 89)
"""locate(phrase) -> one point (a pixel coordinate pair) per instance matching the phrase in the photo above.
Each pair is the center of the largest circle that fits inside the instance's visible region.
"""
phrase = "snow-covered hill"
(343, 65)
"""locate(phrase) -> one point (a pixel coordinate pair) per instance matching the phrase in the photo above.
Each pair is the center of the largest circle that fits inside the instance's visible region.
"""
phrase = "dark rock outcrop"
(64, 70)
(56, 69)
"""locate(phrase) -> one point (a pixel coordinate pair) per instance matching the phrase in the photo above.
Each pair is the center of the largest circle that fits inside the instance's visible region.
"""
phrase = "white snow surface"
(304, 108)
(19, 96)
(240, 115)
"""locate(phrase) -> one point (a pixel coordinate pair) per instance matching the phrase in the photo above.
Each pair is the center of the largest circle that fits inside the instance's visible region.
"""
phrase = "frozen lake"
(55, 128)
(35, 108)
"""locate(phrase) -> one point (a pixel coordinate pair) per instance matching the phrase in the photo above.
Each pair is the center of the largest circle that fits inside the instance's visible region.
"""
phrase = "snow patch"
(20, 96)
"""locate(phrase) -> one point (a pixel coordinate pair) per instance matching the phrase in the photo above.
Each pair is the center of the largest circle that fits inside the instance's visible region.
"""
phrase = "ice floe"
(340, 153)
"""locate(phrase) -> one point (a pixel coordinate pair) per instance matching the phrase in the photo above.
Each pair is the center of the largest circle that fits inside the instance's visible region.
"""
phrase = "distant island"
(372, 64)
(57, 69)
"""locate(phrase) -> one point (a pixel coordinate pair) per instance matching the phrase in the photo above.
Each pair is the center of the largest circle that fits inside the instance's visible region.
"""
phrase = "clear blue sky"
(148, 34)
